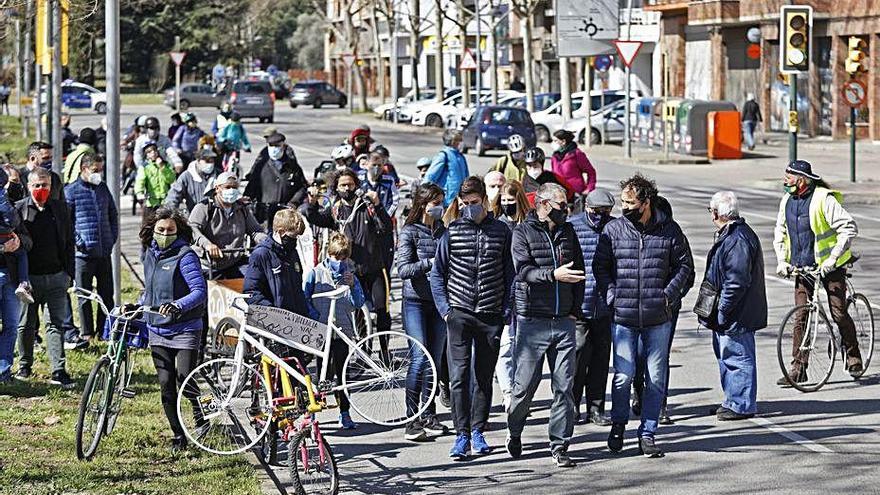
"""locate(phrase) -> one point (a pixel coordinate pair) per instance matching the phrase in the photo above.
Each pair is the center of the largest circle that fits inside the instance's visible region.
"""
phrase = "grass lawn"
(12, 146)
(37, 453)
(141, 98)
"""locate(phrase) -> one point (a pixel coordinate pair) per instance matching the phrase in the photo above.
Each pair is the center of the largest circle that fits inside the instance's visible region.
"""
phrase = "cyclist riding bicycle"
(231, 140)
(186, 138)
(163, 144)
(813, 229)
(222, 118)
(513, 164)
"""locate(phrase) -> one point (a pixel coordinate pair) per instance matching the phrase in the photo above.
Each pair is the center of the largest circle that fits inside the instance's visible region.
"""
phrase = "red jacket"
(571, 165)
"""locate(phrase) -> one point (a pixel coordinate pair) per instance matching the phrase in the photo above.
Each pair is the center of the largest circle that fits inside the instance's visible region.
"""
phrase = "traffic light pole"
(852, 144)
(792, 107)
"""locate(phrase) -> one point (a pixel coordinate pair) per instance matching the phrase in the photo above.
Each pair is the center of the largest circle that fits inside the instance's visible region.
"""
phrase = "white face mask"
(534, 172)
(230, 196)
(94, 178)
(206, 168)
(275, 152)
(555, 145)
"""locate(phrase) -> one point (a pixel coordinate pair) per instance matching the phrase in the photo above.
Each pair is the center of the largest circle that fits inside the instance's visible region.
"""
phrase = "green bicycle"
(108, 381)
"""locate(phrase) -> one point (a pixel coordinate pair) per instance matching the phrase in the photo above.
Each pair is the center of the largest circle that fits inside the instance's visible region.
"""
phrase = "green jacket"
(72, 163)
(153, 183)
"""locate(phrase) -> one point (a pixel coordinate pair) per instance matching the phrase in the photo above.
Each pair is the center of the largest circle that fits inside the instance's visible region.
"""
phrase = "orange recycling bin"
(724, 132)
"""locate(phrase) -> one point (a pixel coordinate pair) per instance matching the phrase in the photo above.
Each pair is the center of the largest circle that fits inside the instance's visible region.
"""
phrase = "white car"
(550, 120)
(608, 121)
(459, 120)
(79, 95)
(386, 110)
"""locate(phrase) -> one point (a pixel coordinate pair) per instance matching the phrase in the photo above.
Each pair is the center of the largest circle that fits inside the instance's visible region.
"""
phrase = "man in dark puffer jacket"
(549, 293)
(642, 266)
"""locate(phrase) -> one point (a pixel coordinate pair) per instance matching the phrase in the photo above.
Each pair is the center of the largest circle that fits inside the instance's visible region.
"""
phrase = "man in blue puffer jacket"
(96, 229)
(594, 330)
(735, 268)
(642, 268)
(449, 167)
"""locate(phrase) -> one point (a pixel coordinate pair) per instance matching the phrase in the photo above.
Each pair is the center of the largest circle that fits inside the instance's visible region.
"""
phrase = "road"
(799, 443)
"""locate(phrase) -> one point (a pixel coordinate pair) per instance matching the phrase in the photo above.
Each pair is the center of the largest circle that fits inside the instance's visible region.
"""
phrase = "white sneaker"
(24, 292)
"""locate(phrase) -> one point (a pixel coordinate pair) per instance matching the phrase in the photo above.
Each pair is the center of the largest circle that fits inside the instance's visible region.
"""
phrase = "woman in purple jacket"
(174, 283)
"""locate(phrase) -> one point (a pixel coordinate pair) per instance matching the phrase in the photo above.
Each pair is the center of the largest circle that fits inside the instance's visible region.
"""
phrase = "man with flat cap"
(275, 181)
(814, 230)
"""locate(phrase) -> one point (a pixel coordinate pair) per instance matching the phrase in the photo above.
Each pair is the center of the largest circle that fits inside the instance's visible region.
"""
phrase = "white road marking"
(794, 437)
(325, 154)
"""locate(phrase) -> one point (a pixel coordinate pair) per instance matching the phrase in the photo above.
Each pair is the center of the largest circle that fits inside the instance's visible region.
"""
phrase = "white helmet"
(342, 151)
(515, 143)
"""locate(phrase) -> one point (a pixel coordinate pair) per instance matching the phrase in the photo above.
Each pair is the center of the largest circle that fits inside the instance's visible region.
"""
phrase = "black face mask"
(509, 210)
(558, 216)
(15, 192)
(346, 195)
(633, 215)
(288, 242)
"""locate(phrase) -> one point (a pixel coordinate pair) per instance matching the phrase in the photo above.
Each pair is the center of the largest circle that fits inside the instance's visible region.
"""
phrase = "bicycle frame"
(816, 305)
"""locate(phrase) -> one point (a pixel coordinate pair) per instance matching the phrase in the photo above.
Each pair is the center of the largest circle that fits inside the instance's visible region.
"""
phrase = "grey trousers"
(50, 290)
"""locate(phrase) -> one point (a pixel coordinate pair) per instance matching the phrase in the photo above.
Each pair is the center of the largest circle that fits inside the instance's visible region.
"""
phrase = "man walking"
(549, 293)
(751, 115)
(51, 269)
(735, 269)
(642, 266)
(449, 167)
(813, 228)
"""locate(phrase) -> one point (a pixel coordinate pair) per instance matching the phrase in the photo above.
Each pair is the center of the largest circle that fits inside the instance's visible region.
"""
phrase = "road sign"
(468, 62)
(177, 57)
(584, 27)
(219, 72)
(602, 63)
(348, 58)
(854, 93)
(627, 50)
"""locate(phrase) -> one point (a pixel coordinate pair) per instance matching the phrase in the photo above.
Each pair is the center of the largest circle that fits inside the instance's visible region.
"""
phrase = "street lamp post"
(114, 176)
(479, 55)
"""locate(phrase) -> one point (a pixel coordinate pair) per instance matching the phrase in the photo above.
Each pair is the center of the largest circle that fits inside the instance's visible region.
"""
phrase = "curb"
(269, 483)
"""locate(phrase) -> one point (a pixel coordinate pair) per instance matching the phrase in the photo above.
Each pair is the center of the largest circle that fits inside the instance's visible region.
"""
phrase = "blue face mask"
(472, 212)
(276, 152)
(47, 165)
(338, 267)
(230, 196)
(596, 218)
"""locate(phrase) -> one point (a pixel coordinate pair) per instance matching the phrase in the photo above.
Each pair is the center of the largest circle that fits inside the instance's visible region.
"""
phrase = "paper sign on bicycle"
(288, 326)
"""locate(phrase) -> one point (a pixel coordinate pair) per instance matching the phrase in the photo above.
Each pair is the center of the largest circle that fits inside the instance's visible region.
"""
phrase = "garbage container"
(724, 135)
(693, 122)
(644, 120)
(664, 113)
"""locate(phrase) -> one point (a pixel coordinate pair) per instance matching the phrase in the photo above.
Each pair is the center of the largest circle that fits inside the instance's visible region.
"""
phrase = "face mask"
(435, 212)
(472, 212)
(40, 195)
(346, 195)
(509, 210)
(47, 164)
(534, 172)
(517, 156)
(596, 218)
(558, 216)
(336, 265)
(555, 146)
(153, 133)
(163, 240)
(633, 215)
(275, 152)
(492, 193)
(94, 179)
(288, 242)
(230, 196)
(375, 173)
(206, 168)
(15, 192)
(790, 188)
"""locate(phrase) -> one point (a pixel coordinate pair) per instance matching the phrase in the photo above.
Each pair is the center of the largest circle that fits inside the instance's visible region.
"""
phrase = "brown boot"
(854, 366)
(798, 374)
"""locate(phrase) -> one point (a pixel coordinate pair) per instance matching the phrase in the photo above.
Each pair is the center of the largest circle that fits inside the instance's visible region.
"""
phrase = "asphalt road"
(799, 443)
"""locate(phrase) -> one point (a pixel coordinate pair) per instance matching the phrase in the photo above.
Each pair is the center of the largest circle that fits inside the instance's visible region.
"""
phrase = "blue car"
(491, 126)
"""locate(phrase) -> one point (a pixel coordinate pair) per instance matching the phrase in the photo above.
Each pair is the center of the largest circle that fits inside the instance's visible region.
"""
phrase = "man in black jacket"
(549, 293)
(275, 181)
(642, 267)
(51, 268)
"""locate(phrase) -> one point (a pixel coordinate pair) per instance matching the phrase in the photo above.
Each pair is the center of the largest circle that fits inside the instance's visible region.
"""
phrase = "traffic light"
(855, 60)
(795, 26)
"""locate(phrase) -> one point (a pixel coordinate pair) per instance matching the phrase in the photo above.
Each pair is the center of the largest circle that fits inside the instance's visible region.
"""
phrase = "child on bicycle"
(232, 139)
(336, 270)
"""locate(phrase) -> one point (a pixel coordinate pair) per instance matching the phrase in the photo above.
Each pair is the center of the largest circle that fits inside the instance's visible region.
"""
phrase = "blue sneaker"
(345, 422)
(462, 447)
(479, 441)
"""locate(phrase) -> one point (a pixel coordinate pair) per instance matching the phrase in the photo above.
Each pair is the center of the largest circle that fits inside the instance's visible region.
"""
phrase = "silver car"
(254, 99)
(194, 95)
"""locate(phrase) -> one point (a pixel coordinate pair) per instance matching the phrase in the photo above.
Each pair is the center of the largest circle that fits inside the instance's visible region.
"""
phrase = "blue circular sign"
(272, 70)
(219, 72)
(602, 63)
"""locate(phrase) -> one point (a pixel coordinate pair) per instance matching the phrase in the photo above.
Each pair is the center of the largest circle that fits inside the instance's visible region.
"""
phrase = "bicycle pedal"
(128, 393)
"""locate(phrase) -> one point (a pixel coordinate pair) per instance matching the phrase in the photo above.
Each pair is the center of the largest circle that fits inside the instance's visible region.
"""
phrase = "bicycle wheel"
(123, 373)
(93, 409)
(379, 394)
(221, 409)
(863, 316)
(312, 467)
(815, 346)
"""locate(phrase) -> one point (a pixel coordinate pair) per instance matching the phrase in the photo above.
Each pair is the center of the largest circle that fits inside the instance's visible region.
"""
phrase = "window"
(252, 87)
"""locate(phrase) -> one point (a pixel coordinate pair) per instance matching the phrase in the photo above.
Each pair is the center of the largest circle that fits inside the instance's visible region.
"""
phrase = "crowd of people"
(500, 272)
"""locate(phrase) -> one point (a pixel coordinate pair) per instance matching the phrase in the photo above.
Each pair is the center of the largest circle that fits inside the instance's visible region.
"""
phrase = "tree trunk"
(361, 88)
(463, 78)
(528, 61)
(377, 50)
(438, 58)
(415, 29)
(493, 71)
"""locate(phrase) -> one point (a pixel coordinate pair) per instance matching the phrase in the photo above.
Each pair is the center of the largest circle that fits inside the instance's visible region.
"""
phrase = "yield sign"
(177, 57)
(348, 58)
(627, 50)
(468, 62)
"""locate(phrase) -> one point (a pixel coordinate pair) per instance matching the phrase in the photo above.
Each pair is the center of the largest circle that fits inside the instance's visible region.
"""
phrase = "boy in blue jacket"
(274, 274)
(336, 270)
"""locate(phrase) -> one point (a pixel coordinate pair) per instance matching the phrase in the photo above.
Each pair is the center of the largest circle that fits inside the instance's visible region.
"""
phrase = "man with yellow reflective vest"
(813, 229)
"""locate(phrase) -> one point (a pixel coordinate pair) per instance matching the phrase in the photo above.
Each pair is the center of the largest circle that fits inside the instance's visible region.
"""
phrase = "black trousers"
(172, 367)
(338, 353)
(593, 355)
(377, 288)
(477, 335)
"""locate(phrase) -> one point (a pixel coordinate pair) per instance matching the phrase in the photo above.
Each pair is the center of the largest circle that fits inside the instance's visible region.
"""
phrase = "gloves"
(170, 310)
(783, 269)
(129, 308)
(828, 266)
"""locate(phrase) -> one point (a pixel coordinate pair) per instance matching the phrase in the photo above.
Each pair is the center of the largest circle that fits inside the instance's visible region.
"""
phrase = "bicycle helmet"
(235, 117)
(189, 117)
(141, 121)
(225, 108)
(515, 143)
(382, 151)
(535, 155)
(341, 152)
(152, 123)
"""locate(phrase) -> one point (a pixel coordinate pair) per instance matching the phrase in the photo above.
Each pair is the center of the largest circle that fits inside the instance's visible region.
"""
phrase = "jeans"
(739, 372)
(50, 290)
(593, 354)
(535, 338)
(100, 269)
(506, 366)
(749, 133)
(9, 313)
(422, 322)
(655, 352)
(478, 335)
(639, 379)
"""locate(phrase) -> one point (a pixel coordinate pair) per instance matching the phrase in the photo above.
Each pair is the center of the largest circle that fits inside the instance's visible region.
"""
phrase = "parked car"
(462, 116)
(194, 95)
(386, 110)
(491, 126)
(438, 114)
(542, 101)
(607, 121)
(550, 120)
(405, 112)
(253, 99)
(78, 95)
(316, 93)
